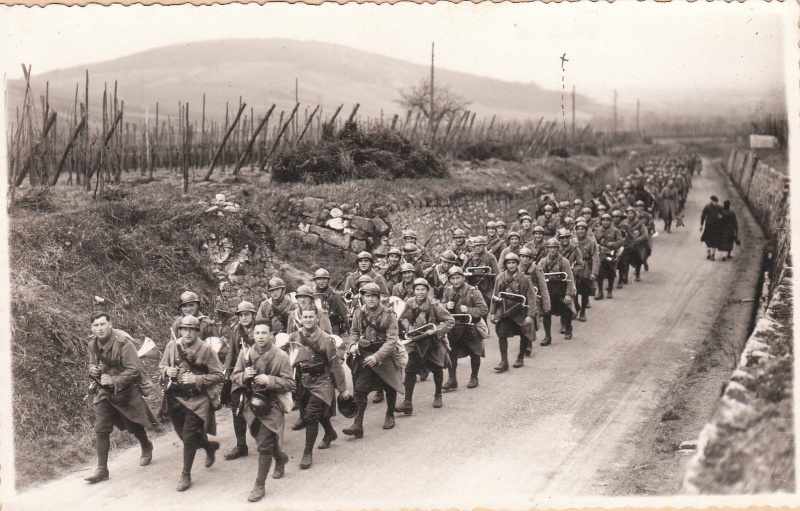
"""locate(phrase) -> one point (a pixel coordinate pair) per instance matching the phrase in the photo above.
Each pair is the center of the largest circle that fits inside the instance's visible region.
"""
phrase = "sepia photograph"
(432, 256)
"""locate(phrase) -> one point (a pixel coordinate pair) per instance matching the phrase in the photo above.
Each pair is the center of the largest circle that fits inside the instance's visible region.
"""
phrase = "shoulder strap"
(365, 319)
(182, 356)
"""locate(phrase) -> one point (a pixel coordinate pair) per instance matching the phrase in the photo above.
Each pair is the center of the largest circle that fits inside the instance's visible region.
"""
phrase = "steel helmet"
(605, 216)
(480, 240)
(514, 233)
(322, 273)
(410, 248)
(189, 297)
(189, 322)
(602, 206)
(448, 256)
(347, 407)
(410, 233)
(276, 283)
(364, 255)
(562, 233)
(459, 233)
(581, 223)
(304, 291)
(577, 202)
(586, 210)
(499, 223)
(569, 220)
(548, 207)
(245, 306)
(395, 251)
(525, 251)
(630, 208)
(364, 279)
(563, 204)
(552, 242)
(490, 224)
(639, 203)
(511, 256)
(260, 404)
(371, 288)
(525, 217)
(421, 282)
(406, 267)
(538, 228)
(522, 212)
(616, 213)
(455, 270)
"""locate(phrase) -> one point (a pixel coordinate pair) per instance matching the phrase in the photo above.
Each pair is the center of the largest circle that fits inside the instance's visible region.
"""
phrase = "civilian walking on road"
(728, 230)
(711, 234)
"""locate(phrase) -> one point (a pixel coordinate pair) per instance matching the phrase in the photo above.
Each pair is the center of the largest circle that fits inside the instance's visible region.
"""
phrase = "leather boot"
(502, 366)
(280, 465)
(450, 385)
(388, 422)
(326, 441)
(610, 294)
(519, 362)
(238, 451)
(99, 474)
(405, 407)
(147, 454)
(356, 430)
(185, 482)
(599, 295)
(473, 382)
(211, 453)
(257, 493)
(437, 401)
(307, 461)
(300, 424)
(378, 397)
(582, 316)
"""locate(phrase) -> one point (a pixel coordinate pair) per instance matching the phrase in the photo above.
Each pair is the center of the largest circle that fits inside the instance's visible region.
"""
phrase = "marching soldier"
(321, 374)
(431, 349)
(585, 278)
(577, 208)
(278, 307)
(381, 259)
(193, 373)
(531, 269)
(638, 242)
(517, 224)
(563, 211)
(481, 258)
(500, 227)
(119, 382)
(595, 222)
(459, 245)
(647, 219)
(437, 275)
(512, 248)
(548, 221)
(465, 339)
(392, 272)
(628, 237)
(305, 298)
(525, 229)
(241, 338)
(569, 250)
(561, 289)
(536, 245)
(405, 287)
(364, 261)
(377, 360)
(510, 316)
(262, 373)
(496, 242)
(411, 255)
(609, 240)
(190, 306)
(332, 302)
(424, 258)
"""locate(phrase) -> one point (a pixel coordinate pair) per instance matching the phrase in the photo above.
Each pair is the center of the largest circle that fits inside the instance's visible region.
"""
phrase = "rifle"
(423, 252)
(245, 395)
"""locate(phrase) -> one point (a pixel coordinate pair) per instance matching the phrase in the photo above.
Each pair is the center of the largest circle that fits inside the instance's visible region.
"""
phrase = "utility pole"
(430, 117)
(615, 111)
(573, 114)
(638, 131)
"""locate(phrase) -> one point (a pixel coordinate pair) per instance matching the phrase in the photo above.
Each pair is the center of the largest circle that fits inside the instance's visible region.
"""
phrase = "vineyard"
(91, 152)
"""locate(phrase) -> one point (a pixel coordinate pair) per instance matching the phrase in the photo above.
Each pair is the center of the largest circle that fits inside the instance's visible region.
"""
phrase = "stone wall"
(748, 446)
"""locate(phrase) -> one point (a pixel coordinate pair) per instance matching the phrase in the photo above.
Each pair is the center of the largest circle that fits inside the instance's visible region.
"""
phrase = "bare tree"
(446, 102)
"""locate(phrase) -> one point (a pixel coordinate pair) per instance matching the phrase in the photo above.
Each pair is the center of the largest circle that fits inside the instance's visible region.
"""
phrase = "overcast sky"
(641, 49)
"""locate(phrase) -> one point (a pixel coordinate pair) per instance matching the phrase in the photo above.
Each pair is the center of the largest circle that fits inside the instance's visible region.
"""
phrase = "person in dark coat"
(711, 234)
(728, 230)
(119, 382)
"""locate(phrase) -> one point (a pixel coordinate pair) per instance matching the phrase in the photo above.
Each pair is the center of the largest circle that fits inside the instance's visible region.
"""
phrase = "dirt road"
(563, 425)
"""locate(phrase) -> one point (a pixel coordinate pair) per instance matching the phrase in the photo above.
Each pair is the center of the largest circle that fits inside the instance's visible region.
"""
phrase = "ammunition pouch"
(312, 370)
(185, 391)
(365, 346)
(119, 398)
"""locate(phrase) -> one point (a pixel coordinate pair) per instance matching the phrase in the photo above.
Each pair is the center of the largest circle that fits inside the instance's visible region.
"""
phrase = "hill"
(263, 72)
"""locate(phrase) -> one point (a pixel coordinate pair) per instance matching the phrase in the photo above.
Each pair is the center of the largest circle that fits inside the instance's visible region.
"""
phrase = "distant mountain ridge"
(263, 72)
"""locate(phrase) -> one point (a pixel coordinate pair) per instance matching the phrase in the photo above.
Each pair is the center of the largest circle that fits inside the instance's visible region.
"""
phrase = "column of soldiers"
(394, 320)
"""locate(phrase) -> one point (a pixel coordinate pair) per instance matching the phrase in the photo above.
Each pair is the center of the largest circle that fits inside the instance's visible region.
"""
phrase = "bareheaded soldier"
(377, 362)
(513, 317)
(430, 350)
(465, 340)
(242, 337)
(193, 374)
(261, 374)
(322, 374)
(119, 381)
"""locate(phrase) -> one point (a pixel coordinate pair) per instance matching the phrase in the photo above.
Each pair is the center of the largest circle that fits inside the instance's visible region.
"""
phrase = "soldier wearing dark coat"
(436, 275)
(392, 271)
(430, 350)
(497, 242)
(193, 374)
(585, 278)
(263, 375)
(561, 289)
(729, 230)
(710, 217)
(241, 339)
(190, 306)
(118, 384)
(481, 258)
(533, 272)
(465, 339)
(405, 287)
(278, 307)
(375, 357)
(364, 261)
(511, 317)
(322, 373)
(332, 302)
(608, 239)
